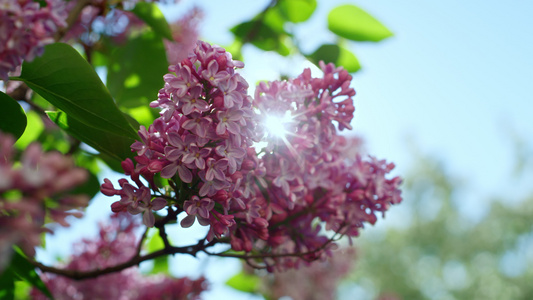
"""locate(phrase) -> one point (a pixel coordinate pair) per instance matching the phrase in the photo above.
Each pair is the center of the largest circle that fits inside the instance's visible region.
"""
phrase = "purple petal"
(148, 219)
(158, 203)
(187, 221)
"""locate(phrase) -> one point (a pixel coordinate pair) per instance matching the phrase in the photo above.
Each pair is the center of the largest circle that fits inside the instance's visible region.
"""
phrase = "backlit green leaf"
(297, 10)
(12, 116)
(248, 283)
(135, 71)
(353, 23)
(32, 132)
(261, 35)
(67, 81)
(152, 15)
(336, 55)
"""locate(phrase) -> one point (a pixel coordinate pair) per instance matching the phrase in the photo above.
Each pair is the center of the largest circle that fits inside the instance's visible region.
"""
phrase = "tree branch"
(134, 261)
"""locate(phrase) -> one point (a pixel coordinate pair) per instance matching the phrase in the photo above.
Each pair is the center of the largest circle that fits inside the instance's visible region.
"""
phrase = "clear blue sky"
(455, 81)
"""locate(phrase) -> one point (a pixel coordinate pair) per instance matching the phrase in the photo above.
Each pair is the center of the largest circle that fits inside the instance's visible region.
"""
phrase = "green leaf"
(258, 33)
(353, 23)
(67, 81)
(297, 11)
(90, 188)
(33, 130)
(22, 290)
(12, 116)
(275, 19)
(115, 146)
(336, 55)
(7, 284)
(152, 15)
(160, 265)
(155, 242)
(144, 115)
(248, 283)
(20, 269)
(135, 71)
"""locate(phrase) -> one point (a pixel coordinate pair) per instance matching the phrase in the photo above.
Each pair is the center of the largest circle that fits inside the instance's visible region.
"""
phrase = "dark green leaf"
(7, 284)
(150, 13)
(248, 283)
(353, 23)
(297, 10)
(66, 80)
(21, 269)
(12, 116)
(259, 34)
(336, 55)
(115, 146)
(89, 188)
(135, 71)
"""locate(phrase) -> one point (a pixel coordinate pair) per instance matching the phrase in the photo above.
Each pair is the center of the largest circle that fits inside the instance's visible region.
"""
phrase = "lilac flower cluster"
(185, 34)
(24, 188)
(313, 171)
(269, 201)
(115, 244)
(316, 281)
(200, 141)
(26, 27)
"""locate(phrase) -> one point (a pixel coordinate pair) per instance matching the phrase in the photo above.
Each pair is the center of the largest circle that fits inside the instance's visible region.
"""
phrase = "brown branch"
(334, 238)
(134, 261)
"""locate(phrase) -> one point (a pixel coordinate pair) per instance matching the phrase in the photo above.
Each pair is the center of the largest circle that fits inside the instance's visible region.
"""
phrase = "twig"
(134, 261)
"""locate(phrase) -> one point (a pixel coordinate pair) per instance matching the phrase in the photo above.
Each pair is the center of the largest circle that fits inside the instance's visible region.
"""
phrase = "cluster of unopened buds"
(222, 158)
(36, 187)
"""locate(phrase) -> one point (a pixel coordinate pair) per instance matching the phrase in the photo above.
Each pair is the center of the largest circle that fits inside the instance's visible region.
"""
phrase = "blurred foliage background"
(439, 252)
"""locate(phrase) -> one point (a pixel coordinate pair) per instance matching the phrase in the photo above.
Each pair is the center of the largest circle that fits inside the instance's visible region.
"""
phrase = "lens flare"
(276, 125)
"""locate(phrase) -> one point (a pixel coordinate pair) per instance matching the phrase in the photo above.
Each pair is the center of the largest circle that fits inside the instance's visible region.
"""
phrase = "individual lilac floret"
(134, 200)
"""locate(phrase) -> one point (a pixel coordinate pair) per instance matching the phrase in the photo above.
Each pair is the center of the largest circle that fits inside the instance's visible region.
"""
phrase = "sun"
(276, 125)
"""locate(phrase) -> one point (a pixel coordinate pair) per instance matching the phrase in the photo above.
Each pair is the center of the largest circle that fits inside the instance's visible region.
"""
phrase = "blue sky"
(454, 81)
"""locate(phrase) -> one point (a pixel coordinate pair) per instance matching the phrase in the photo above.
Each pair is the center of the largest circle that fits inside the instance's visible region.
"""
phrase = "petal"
(158, 203)
(148, 219)
(187, 221)
(185, 174)
(169, 171)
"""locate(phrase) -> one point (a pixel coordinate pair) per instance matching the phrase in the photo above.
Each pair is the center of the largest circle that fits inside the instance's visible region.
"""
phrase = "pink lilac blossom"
(194, 140)
(26, 27)
(185, 34)
(313, 174)
(316, 281)
(24, 188)
(267, 200)
(116, 243)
